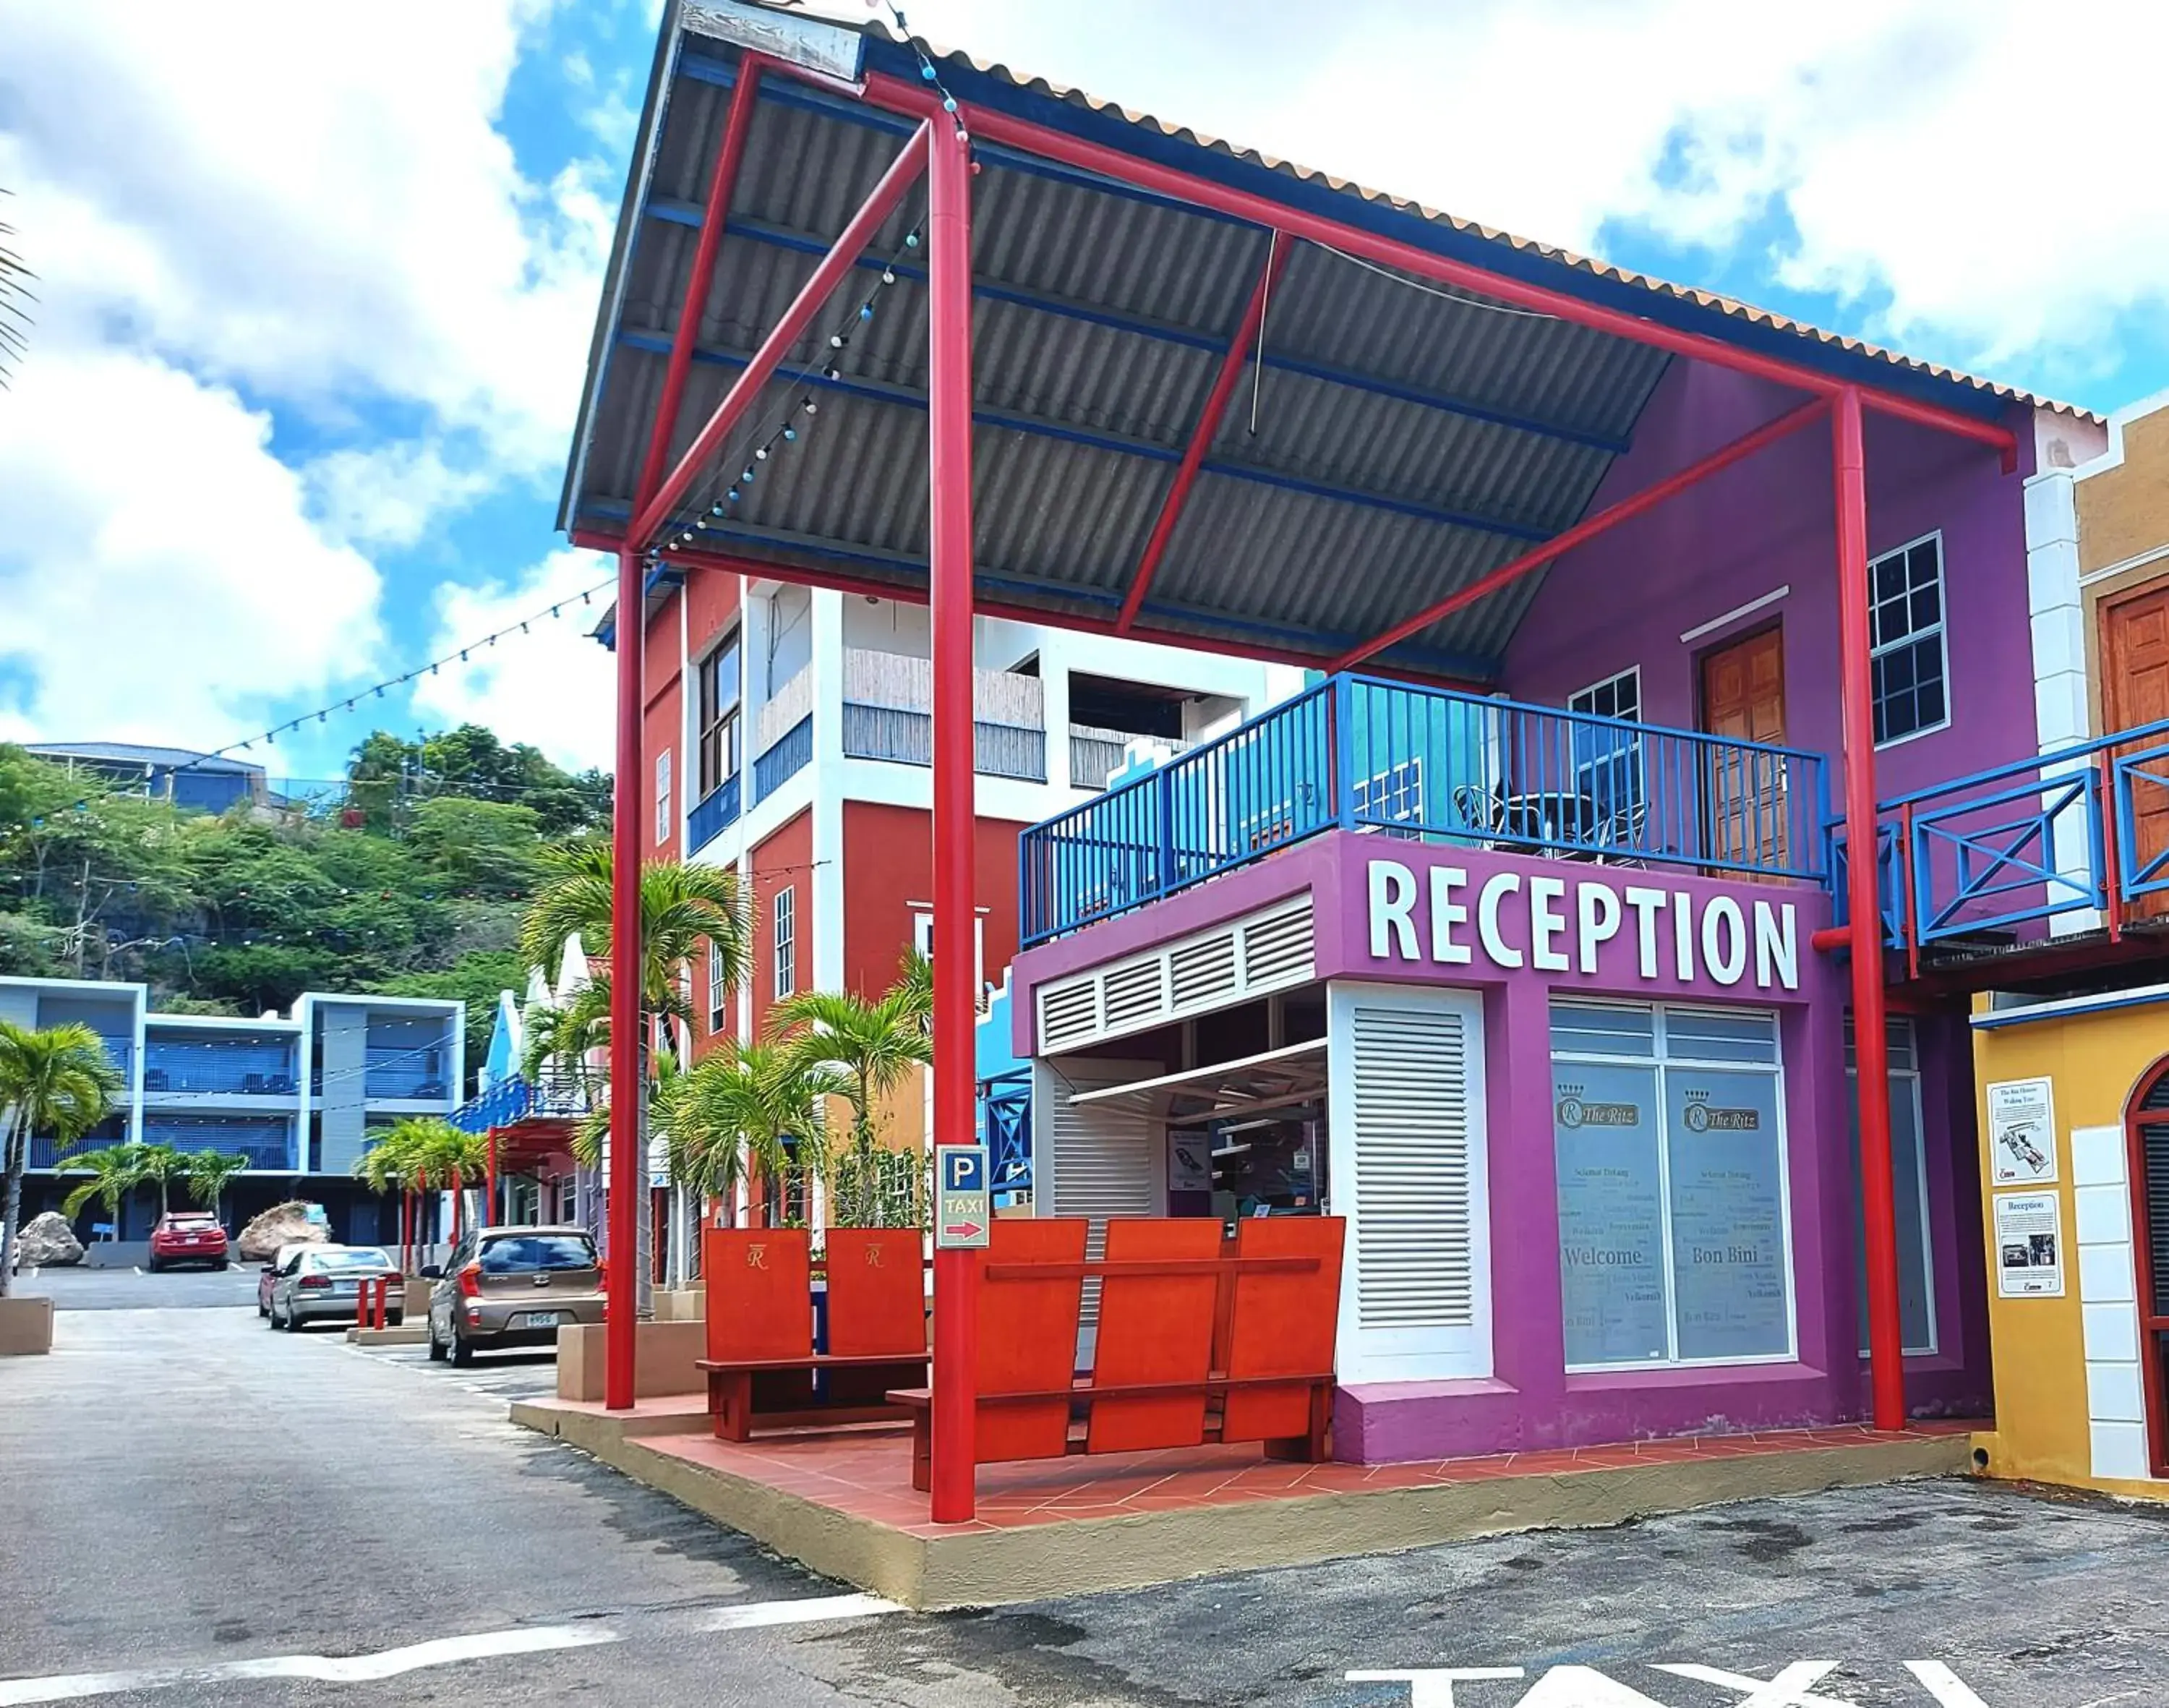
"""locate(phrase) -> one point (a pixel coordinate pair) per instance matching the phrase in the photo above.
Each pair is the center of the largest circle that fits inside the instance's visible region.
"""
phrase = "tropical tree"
(160, 1163)
(870, 1047)
(114, 1175)
(208, 1173)
(426, 1153)
(58, 1082)
(738, 1112)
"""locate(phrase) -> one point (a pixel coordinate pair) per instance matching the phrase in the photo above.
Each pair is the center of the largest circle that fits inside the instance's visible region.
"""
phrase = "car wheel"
(262, 1308)
(221, 1264)
(153, 1265)
(463, 1350)
(436, 1346)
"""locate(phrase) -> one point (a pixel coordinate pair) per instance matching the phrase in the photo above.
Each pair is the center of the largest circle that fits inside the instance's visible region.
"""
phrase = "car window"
(346, 1261)
(293, 1263)
(518, 1253)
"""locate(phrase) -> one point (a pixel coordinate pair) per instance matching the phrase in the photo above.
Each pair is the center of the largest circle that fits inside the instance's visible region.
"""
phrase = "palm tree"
(870, 1047)
(58, 1082)
(393, 1162)
(426, 1153)
(160, 1163)
(208, 1173)
(113, 1174)
(738, 1112)
(686, 911)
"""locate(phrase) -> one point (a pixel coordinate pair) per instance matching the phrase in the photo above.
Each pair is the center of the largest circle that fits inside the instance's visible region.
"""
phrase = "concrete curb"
(417, 1335)
(982, 1566)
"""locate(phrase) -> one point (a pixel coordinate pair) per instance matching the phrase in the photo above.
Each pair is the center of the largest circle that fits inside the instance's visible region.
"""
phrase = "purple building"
(1522, 980)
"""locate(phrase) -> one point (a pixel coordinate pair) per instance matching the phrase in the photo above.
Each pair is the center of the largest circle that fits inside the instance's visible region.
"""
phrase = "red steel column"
(625, 1184)
(956, 1303)
(1886, 1338)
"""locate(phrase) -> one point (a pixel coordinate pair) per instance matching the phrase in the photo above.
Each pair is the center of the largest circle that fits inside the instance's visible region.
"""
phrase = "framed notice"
(2029, 1245)
(2021, 1132)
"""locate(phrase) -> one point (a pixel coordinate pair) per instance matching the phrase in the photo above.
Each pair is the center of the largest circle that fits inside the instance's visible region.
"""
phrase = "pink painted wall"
(1625, 599)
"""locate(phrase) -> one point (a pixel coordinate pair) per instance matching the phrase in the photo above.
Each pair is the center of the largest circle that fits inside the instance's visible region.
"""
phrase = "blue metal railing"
(258, 1069)
(792, 752)
(518, 1097)
(1365, 755)
(716, 812)
(1999, 854)
(1006, 1115)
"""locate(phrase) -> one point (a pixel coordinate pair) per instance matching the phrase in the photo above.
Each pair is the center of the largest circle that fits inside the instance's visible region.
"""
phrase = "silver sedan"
(323, 1284)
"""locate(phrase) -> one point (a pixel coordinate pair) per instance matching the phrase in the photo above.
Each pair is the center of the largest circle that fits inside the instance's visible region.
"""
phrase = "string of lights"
(927, 69)
(458, 655)
(1429, 290)
(705, 502)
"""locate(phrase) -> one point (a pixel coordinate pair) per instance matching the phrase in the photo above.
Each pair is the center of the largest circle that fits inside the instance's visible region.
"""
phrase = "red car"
(188, 1236)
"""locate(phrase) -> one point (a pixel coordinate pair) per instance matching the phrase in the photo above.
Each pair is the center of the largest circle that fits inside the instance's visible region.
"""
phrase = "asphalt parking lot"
(376, 1523)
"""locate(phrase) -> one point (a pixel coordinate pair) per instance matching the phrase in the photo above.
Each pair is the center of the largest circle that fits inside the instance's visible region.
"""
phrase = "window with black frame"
(718, 699)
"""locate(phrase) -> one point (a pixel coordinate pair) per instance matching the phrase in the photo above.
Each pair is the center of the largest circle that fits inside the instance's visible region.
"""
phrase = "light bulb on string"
(761, 455)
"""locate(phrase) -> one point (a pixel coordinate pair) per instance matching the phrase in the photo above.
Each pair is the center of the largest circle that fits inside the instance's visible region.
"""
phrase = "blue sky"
(317, 286)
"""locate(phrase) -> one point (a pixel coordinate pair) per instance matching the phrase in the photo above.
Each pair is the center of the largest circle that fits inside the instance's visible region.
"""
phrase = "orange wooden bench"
(1184, 1324)
(761, 1362)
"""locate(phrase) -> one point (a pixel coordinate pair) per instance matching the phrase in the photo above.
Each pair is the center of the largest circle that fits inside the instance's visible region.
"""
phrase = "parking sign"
(964, 1208)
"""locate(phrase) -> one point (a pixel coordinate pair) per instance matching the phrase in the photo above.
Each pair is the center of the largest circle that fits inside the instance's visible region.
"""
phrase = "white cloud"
(1976, 179)
(157, 576)
(552, 687)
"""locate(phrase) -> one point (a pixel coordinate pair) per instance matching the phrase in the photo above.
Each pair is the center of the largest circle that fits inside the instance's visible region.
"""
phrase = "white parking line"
(442, 1652)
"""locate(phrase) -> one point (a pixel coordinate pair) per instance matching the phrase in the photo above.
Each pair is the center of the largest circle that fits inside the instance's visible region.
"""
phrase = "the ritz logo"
(757, 1257)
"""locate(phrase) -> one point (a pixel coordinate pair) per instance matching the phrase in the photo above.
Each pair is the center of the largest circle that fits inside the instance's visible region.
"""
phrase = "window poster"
(1611, 1256)
(2029, 1245)
(2021, 1132)
(1728, 1213)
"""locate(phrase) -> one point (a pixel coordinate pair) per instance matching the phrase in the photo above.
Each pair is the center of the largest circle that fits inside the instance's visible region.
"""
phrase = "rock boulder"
(282, 1225)
(47, 1240)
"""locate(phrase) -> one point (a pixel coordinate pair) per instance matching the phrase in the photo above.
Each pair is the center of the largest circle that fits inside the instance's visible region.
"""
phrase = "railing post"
(1163, 815)
(2108, 811)
(1340, 752)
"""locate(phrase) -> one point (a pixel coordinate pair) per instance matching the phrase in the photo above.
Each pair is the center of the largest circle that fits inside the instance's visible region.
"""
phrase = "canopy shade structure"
(1228, 1090)
(1205, 409)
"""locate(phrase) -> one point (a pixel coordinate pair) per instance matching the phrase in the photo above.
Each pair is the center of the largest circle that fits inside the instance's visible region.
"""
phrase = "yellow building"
(2074, 1112)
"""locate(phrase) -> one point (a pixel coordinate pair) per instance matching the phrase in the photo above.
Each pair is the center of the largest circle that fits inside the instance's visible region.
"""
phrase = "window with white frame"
(663, 798)
(1674, 1211)
(1391, 797)
(785, 942)
(719, 993)
(922, 939)
(1909, 1169)
(1607, 761)
(1909, 662)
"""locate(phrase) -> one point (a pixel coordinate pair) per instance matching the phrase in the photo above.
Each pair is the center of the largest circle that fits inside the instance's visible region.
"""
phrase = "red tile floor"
(865, 1472)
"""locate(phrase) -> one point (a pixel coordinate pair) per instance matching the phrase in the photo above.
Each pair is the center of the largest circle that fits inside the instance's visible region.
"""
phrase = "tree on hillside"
(388, 778)
(57, 1083)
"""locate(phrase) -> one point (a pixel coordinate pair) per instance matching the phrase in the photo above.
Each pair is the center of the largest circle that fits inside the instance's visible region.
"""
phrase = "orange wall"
(784, 861)
(711, 605)
(888, 862)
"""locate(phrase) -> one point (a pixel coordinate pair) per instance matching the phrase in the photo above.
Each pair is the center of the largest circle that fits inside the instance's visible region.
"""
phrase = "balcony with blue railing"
(715, 812)
(405, 1073)
(181, 1069)
(553, 1093)
(2071, 846)
(1359, 754)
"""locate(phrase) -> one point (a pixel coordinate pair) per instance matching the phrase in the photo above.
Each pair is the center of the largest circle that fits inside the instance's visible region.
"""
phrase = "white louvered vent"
(1069, 1014)
(1269, 950)
(1134, 995)
(1278, 949)
(1201, 971)
(1106, 1159)
(1414, 1263)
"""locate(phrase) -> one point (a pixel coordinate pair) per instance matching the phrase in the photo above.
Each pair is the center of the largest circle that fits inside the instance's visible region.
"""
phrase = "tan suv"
(510, 1287)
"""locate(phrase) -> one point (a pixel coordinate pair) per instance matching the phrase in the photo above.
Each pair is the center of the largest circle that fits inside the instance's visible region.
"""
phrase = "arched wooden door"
(2148, 1129)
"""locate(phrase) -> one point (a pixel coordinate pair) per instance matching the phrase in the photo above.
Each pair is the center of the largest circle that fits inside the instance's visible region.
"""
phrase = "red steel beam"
(902, 173)
(736, 122)
(1200, 439)
(1587, 529)
(626, 1177)
(1886, 1335)
(897, 95)
(954, 1472)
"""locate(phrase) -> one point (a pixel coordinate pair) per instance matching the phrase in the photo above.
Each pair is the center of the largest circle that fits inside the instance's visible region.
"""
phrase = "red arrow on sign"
(964, 1231)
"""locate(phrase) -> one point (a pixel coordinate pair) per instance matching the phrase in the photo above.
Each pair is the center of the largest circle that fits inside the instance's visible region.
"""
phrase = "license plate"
(543, 1319)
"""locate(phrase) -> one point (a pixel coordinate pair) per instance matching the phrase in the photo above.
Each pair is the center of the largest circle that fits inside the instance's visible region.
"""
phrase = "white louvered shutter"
(1100, 1160)
(1408, 1170)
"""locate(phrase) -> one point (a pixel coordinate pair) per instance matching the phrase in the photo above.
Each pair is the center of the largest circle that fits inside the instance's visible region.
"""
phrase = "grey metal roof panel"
(135, 753)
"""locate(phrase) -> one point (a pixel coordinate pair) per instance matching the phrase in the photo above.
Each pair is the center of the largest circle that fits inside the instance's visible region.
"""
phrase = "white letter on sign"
(1724, 940)
(1447, 913)
(1776, 949)
(1547, 924)
(1392, 903)
(1496, 888)
(1596, 911)
(1647, 905)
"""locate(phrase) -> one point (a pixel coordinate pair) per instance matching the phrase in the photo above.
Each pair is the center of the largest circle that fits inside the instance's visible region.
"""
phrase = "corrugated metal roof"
(134, 753)
(1448, 434)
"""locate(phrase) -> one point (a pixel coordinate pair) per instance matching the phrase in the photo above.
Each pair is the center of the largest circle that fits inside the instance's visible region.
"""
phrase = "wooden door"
(1743, 698)
(2134, 653)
